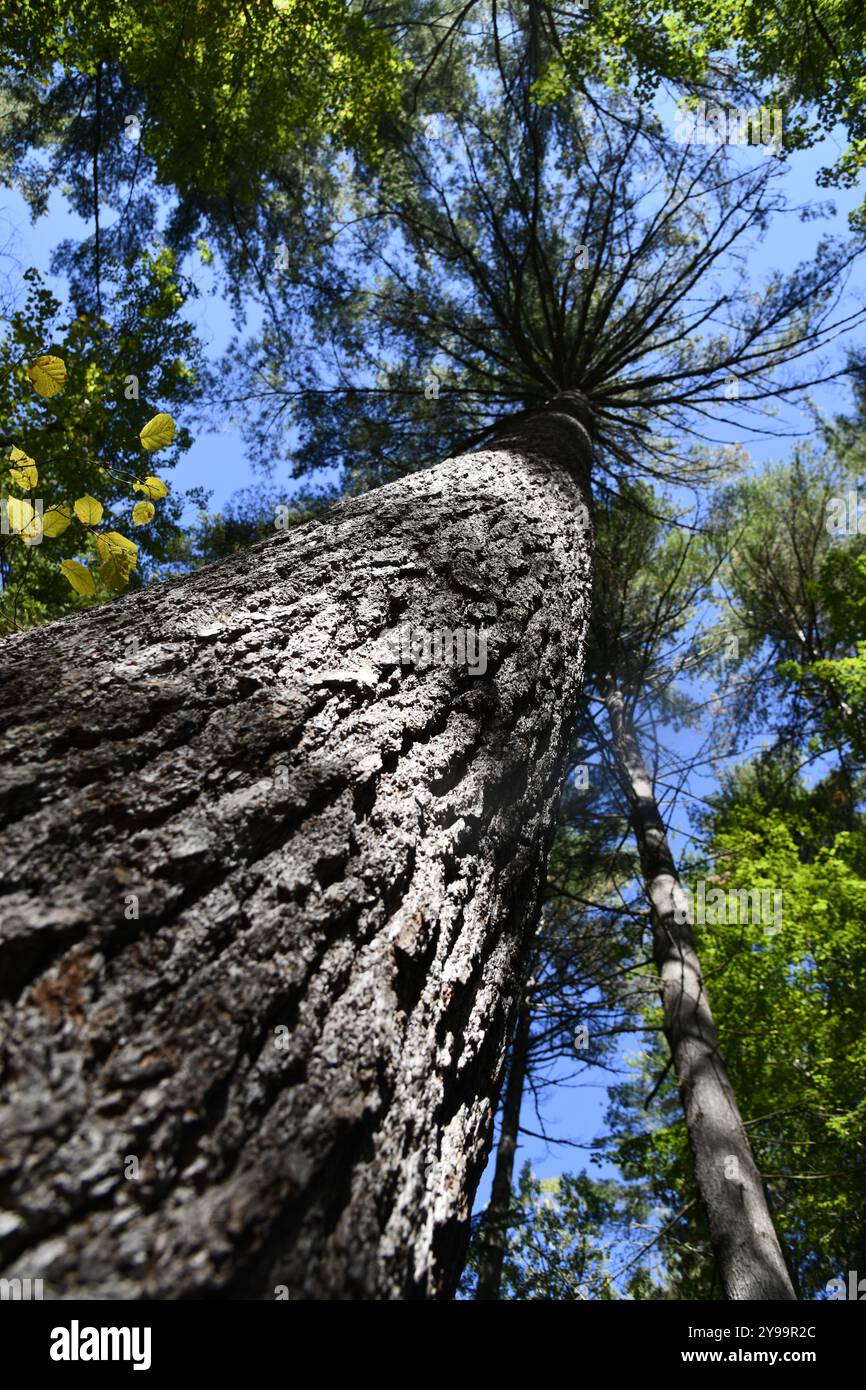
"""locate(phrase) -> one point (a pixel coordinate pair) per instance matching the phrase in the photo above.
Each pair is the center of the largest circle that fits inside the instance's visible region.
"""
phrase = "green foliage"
(771, 536)
(838, 684)
(209, 95)
(561, 1230)
(789, 1005)
(447, 297)
(82, 443)
(809, 60)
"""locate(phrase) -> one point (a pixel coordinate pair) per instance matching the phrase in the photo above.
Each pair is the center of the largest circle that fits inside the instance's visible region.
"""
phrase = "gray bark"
(281, 1073)
(498, 1208)
(747, 1249)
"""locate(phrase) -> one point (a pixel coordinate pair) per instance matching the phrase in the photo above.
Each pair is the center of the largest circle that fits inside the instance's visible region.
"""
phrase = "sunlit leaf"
(56, 519)
(48, 375)
(157, 433)
(79, 577)
(143, 512)
(25, 474)
(110, 543)
(21, 514)
(118, 556)
(88, 510)
(154, 488)
(114, 573)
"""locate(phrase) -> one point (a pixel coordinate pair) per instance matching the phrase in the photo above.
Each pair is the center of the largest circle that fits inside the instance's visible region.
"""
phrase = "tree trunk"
(750, 1260)
(267, 890)
(499, 1206)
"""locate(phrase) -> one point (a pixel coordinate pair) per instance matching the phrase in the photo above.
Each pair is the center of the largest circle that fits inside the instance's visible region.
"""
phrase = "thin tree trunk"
(499, 1206)
(750, 1260)
(266, 892)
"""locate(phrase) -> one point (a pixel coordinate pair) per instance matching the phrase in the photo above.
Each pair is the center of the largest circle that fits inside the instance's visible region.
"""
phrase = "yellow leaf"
(157, 433)
(143, 512)
(79, 577)
(154, 488)
(56, 519)
(48, 375)
(118, 556)
(26, 474)
(22, 516)
(114, 572)
(109, 543)
(31, 534)
(88, 510)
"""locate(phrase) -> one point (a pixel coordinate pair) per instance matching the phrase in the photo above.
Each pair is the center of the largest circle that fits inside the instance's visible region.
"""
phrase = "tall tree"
(650, 591)
(785, 584)
(329, 956)
(750, 1259)
(267, 1013)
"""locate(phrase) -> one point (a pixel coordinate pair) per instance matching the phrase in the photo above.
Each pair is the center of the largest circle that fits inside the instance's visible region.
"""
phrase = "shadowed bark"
(266, 891)
(750, 1259)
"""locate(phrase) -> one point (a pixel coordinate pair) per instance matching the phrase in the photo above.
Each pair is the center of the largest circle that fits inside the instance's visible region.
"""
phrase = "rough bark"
(498, 1208)
(750, 1260)
(337, 862)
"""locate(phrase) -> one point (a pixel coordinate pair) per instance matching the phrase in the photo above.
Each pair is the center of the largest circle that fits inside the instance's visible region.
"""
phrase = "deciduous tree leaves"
(114, 572)
(111, 541)
(119, 557)
(153, 488)
(23, 519)
(85, 441)
(55, 520)
(88, 510)
(48, 375)
(157, 433)
(143, 512)
(79, 577)
(25, 473)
